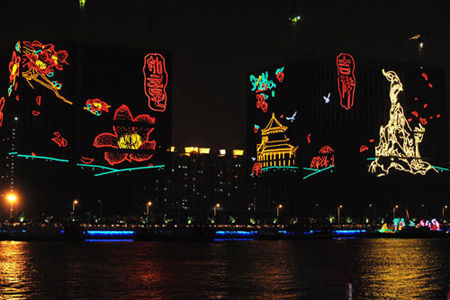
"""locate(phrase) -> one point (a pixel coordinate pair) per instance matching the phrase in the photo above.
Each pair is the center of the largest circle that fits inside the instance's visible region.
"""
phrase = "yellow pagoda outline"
(275, 152)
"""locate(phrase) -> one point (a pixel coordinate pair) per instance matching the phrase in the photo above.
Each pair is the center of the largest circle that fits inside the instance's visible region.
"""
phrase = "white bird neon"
(292, 118)
(327, 98)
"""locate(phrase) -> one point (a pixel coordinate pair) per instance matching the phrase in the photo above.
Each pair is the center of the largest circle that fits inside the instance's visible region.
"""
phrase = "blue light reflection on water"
(110, 233)
(108, 240)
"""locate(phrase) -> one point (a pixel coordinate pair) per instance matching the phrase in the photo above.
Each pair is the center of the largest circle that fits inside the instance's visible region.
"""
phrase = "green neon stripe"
(96, 166)
(42, 157)
(310, 169)
(278, 167)
(130, 169)
(321, 170)
(370, 158)
(12, 153)
(440, 168)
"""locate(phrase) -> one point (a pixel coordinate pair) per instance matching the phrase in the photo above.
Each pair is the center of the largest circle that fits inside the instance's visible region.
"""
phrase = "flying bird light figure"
(327, 98)
(292, 118)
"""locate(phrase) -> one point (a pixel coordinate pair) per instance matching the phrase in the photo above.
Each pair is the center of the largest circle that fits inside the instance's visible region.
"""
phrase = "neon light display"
(292, 118)
(317, 171)
(308, 138)
(255, 128)
(346, 79)
(363, 148)
(275, 151)
(129, 139)
(257, 169)
(159, 167)
(87, 160)
(398, 147)
(59, 140)
(110, 232)
(2, 104)
(155, 81)
(14, 68)
(264, 87)
(96, 106)
(39, 62)
(327, 98)
(325, 158)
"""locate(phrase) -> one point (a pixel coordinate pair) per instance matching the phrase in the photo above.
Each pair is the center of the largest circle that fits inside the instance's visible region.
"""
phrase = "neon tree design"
(257, 169)
(398, 147)
(2, 104)
(96, 106)
(59, 140)
(346, 79)
(325, 158)
(14, 68)
(255, 128)
(129, 139)
(155, 81)
(275, 152)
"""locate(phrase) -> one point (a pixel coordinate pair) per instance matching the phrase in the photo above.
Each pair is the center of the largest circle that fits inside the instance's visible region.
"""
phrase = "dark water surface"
(377, 269)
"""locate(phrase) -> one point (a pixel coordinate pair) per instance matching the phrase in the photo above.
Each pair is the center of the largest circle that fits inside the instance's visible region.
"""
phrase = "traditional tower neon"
(274, 149)
(399, 144)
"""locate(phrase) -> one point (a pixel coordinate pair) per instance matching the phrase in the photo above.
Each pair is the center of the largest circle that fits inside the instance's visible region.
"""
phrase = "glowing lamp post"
(280, 206)
(393, 211)
(215, 209)
(11, 199)
(443, 211)
(149, 203)
(74, 204)
(339, 214)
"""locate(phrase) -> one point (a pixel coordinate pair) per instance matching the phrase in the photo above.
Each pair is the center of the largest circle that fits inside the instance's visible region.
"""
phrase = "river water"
(307, 269)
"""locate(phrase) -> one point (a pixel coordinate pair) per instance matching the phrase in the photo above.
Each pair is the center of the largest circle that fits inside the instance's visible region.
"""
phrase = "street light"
(339, 214)
(393, 211)
(280, 206)
(215, 209)
(74, 203)
(149, 203)
(443, 211)
(11, 197)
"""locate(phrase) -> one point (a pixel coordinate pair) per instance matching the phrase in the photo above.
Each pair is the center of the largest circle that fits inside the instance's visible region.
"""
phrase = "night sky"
(215, 43)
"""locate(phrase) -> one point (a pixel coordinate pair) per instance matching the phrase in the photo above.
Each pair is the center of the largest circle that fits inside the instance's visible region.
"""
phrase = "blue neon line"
(371, 158)
(108, 241)
(42, 157)
(235, 233)
(96, 166)
(110, 232)
(130, 169)
(279, 167)
(224, 240)
(321, 170)
(12, 153)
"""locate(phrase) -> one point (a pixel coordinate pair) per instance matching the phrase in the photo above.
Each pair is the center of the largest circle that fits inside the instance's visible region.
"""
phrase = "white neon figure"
(399, 144)
(292, 118)
(327, 98)
(253, 158)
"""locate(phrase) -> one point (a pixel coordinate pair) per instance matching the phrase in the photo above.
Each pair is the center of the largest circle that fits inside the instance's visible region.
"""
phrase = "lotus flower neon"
(127, 141)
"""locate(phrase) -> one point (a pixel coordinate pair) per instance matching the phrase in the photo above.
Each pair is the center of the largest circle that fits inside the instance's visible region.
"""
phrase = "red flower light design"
(127, 138)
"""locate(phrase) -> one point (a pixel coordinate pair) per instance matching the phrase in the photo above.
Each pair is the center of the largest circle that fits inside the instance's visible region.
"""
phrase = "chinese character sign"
(346, 79)
(155, 81)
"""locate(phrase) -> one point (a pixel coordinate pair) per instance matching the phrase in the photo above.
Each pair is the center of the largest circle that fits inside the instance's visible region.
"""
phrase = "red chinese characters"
(155, 81)
(346, 79)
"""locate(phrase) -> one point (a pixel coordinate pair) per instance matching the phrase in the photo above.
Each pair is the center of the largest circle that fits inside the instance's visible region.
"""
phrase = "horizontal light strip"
(96, 166)
(317, 172)
(131, 169)
(42, 157)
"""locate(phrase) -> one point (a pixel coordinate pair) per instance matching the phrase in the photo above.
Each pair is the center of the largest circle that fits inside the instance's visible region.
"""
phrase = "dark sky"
(215, 43)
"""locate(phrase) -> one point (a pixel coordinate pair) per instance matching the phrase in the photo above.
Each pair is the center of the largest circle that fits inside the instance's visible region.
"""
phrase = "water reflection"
(378, 269)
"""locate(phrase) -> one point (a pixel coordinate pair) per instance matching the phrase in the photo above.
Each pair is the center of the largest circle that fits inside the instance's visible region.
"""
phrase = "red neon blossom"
(423, 121)
(257, 169)
(86, 160)
(325, 158)
(363, 148)
(308, 137)
(372, 140)
(415, 113)
(35, 113)
(38, 100)
(60, 141)
(111, 140)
